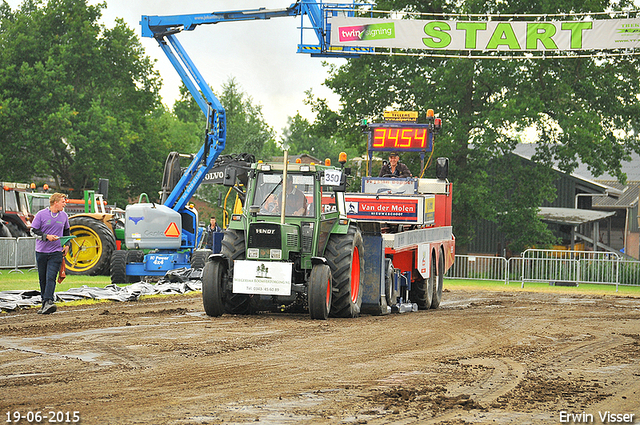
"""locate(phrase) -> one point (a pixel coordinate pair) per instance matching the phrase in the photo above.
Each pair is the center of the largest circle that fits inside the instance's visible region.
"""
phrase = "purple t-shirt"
(50, 224)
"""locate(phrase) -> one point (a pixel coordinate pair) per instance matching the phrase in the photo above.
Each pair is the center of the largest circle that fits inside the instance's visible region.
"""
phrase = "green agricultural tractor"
(300, 254)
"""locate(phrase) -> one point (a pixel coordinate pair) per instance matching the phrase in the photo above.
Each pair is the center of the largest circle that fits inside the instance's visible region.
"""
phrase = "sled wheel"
(320, 292)
(388, 283)
(437, 288)
(422, 289)
(344, 256)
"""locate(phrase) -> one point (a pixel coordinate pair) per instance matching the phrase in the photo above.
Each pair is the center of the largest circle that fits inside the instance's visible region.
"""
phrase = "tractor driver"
(394, 168)
(296, 201)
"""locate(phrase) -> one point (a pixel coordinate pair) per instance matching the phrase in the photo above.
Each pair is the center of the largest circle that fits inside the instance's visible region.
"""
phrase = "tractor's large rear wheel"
(91, 249)
(344, 255)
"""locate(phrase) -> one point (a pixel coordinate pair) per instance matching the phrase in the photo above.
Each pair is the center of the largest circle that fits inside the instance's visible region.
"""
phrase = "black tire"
(91, 249)
(134, 256)
(437, 288)
(388, 283)
(422, 289)
(233, 248)
(319, 292)
(215, 279)
(199, 258)
(119, 267)
(344, 255)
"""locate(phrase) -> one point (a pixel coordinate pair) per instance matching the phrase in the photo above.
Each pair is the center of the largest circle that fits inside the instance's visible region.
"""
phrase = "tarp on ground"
(179, 281)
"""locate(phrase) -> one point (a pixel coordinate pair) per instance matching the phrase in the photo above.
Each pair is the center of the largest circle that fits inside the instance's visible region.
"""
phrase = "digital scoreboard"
(400, 137)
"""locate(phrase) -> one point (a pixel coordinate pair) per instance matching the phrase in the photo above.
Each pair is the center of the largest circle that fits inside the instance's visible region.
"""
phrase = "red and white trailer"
(411, 219)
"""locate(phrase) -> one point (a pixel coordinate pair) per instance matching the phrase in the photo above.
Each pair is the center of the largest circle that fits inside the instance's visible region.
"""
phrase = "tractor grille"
(292, 240)
(307, 237)
(264, 235)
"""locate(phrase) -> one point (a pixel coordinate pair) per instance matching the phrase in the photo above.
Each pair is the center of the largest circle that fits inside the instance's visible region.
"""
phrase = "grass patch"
(28, 280)
(583, 288)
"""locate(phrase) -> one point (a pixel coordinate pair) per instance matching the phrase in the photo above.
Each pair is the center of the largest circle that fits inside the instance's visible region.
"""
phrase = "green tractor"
(97, 235)
(297, 252)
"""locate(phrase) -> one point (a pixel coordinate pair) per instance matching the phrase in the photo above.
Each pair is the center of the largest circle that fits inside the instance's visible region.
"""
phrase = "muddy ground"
(484, 357)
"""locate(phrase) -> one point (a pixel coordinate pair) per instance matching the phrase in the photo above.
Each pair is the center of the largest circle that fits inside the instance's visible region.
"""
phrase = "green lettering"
(541, 31)
(471, 33)
(503, 36)
(576, 29)
(439, 39)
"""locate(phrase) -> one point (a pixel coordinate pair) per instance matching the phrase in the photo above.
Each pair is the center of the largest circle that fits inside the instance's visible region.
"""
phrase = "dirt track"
(483, 357)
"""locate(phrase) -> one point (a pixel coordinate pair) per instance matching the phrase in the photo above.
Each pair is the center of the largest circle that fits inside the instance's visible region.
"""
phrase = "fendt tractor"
(334, 253)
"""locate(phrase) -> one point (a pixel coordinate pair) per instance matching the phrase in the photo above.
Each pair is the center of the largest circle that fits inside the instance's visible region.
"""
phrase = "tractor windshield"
(299, 199)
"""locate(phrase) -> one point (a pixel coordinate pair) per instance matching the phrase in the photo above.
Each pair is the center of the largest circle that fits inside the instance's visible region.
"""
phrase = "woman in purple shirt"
(48, 226)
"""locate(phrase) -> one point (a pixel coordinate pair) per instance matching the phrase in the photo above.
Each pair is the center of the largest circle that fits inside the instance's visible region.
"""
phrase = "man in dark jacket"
(211, 229)
(394, 168)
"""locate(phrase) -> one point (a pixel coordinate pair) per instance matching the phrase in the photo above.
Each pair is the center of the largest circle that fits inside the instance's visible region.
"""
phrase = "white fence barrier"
(554, 267)
(17, 253)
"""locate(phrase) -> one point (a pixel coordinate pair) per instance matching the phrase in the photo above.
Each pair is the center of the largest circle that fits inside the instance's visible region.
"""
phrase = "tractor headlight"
(253, 253)
(276, 254)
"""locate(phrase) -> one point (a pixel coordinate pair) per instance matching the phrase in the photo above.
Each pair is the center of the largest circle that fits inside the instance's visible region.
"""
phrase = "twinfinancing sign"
(486, 35)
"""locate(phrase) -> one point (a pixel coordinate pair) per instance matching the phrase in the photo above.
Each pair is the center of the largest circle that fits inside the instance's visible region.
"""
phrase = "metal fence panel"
(16, 253)
(549, 266)
(478, 267)
(26, 252)
(7, 253)
(545, 265)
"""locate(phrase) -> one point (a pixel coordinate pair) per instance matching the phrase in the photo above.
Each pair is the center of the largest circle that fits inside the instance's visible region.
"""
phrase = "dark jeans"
(48, 268)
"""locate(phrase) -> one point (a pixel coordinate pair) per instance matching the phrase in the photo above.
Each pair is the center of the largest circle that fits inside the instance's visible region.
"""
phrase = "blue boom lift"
(170, 230)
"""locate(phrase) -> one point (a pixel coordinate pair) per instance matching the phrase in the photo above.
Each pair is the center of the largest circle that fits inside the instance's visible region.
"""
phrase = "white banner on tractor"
(534, 36)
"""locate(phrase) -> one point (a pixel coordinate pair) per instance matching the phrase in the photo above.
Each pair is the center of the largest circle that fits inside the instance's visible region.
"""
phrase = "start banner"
(547, 36)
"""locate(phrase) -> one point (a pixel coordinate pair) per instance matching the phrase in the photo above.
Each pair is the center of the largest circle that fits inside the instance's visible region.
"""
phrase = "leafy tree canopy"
(77, 101)
(583, 109)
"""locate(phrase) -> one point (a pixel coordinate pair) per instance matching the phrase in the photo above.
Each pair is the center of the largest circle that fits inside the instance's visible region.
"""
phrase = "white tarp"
(548, 36)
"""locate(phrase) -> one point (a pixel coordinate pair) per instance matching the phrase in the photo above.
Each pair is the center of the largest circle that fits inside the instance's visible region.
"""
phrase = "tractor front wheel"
(214, 280)
(319, 292)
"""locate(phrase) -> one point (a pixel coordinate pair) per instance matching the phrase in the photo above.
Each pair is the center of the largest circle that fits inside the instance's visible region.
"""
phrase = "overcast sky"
(261, 55)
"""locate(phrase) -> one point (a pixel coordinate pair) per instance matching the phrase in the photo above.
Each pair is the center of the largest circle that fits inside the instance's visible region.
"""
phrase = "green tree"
(77, 101)
(582, 108)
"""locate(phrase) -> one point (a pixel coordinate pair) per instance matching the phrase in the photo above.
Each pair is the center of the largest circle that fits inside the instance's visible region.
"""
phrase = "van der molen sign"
(491, 35)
